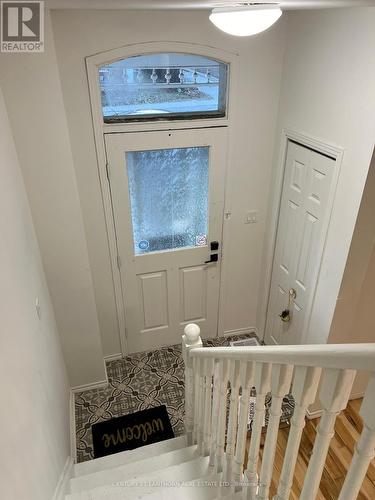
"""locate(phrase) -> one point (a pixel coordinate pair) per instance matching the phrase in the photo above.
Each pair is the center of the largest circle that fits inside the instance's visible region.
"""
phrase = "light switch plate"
(251, 217)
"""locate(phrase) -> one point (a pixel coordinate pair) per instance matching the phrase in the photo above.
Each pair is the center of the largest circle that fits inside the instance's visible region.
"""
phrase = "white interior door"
(299, 243)
(168, 199)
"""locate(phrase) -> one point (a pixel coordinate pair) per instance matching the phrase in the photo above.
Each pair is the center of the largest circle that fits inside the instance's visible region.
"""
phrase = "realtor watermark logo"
(22, 26)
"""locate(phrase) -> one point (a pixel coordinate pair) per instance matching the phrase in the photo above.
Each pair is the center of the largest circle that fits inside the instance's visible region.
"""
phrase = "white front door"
(168, 199)
(299, 243)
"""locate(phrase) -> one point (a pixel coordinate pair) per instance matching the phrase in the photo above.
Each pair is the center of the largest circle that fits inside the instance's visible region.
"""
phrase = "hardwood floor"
(348, 427)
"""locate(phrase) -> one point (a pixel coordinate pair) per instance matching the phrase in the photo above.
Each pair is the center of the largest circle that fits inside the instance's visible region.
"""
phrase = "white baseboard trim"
(62, 487)
(92, 385)
(240, 331)
(113, 357)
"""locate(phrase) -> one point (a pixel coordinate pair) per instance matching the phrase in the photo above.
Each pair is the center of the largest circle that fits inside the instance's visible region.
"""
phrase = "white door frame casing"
(100, 129)
(322, 147)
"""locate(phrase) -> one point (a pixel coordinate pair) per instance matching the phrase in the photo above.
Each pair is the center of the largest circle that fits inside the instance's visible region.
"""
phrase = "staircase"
(209, 461)
(160, 471)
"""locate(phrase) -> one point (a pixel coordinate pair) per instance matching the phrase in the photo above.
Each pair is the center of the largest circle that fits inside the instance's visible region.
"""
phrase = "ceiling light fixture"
(246, 19)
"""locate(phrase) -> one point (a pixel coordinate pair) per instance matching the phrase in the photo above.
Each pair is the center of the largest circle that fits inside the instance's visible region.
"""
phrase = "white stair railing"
(218, 383)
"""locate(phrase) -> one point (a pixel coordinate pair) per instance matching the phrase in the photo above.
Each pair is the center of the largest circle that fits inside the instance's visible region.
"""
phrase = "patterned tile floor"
(139, 381)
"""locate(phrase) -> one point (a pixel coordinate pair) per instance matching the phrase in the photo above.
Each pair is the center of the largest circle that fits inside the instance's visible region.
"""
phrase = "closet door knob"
(285, 315)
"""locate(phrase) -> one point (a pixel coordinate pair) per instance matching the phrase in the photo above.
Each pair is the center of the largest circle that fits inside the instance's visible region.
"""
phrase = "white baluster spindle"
(364, 450)
(333, 395)
(201, 402)
(262, 385)
(246, 382)
(214, 414)
(195, 399)
(208, 373)
(234, 379)
(305, 383)
(222, 414)
(281, 378)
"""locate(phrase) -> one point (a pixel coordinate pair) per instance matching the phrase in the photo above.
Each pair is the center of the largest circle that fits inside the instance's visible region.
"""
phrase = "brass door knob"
(285, 315)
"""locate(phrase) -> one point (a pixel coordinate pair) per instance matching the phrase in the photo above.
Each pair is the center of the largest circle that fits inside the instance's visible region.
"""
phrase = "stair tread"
(133, 470)
(129, 456)
(147, 484)
(196, 493)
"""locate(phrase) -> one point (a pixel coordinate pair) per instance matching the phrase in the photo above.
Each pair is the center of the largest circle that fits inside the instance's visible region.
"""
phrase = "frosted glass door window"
(168, 191)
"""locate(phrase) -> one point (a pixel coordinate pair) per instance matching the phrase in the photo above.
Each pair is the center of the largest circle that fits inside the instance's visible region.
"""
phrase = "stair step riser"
(127, 457)
(188, 471)
(133, 470)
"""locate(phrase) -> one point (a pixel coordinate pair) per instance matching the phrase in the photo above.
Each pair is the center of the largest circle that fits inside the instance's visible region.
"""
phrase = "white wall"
(34, 417)
(32, 92)
(354, 319)
(328, 92)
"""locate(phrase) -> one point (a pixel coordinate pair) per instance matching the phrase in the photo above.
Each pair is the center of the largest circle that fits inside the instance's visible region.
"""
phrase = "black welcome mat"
(131, 431)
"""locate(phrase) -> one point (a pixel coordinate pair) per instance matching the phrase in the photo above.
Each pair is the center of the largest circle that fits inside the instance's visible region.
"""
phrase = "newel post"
(190, 340)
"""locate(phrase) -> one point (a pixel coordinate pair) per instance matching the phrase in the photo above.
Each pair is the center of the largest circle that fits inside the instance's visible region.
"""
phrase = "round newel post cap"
(192, 333)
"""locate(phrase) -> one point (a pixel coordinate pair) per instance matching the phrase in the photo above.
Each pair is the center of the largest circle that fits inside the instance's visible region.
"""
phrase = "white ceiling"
(199, 4)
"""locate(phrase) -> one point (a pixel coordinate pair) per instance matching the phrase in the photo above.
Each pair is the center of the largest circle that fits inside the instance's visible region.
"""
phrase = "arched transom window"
(163, 86)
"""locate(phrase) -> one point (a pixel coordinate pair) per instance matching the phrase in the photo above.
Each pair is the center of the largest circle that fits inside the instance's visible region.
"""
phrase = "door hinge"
(118, 261)
(107, 171)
